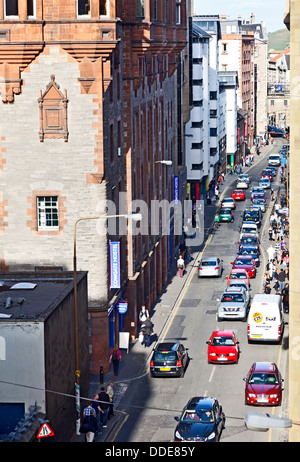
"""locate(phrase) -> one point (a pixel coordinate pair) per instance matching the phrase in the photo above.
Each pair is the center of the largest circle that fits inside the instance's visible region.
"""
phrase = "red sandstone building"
(91, 97)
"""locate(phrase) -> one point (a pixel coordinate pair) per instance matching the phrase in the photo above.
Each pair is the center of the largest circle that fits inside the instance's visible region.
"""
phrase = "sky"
(269, 11)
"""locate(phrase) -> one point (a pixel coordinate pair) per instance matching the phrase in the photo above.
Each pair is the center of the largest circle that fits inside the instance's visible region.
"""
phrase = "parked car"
(228, 203)
(211, 266)
(223, 347)
(202, 419)
(245, 262)
(169, 359)
(234, 304)
(263, 385)
(238, 195)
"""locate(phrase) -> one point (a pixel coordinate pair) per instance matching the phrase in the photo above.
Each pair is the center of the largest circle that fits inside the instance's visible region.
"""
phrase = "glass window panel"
(30, 8)
(83, 7)
(11, 8)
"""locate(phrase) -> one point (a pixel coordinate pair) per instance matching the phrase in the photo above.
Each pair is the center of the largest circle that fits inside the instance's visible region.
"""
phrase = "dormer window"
(83, 7)
(11, 8)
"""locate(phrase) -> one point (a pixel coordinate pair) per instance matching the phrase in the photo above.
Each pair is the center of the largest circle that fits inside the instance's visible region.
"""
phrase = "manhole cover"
(190, 302)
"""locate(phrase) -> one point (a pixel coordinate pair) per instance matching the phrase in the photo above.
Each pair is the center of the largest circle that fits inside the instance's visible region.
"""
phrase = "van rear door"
(265, 323)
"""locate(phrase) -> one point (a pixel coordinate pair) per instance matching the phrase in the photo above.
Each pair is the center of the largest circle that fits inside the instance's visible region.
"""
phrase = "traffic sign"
(45, 431)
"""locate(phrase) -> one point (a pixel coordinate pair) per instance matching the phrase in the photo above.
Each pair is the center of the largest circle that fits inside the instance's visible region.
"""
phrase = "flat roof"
(33, 296)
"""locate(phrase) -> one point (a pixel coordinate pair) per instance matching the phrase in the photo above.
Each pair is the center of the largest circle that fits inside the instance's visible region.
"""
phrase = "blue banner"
(115, 276)
(176, 189)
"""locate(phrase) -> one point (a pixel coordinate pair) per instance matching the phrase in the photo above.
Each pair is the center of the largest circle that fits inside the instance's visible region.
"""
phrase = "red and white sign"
(45, 431)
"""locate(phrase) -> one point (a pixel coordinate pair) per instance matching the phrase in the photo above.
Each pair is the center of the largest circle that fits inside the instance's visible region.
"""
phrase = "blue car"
(202, 419)
(250, 250)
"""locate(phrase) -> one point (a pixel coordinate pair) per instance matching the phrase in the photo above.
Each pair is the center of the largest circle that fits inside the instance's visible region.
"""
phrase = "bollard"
(101, 374)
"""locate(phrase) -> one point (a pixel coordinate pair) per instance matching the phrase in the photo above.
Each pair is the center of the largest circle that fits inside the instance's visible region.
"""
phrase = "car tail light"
(151, 364)
(178, 363)
(279, 331)
(248, 329)
(216, 268)
(200, 268)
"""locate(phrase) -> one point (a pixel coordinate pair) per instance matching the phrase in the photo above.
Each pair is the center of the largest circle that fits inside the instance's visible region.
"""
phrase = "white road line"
(212, 373)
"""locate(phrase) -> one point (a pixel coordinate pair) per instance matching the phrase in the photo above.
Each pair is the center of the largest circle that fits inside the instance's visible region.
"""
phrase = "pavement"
(134, 364)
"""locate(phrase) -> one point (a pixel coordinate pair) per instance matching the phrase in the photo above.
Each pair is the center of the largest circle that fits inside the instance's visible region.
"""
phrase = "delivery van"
(265, 319)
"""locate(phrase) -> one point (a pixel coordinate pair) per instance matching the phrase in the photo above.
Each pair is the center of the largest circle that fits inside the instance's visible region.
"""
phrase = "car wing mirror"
(245, 379)
(176, 418)
(217, 299)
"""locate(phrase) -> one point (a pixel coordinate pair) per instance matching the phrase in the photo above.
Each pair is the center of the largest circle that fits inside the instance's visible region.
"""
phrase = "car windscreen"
(222, 341)
(234, 298)
(258, 201)
(165, 356)
(252, 214)
(241, 262)
(209, 263)
(197, 416)
(238, 276)
(249, 240)
(247, 251)
(263, 378)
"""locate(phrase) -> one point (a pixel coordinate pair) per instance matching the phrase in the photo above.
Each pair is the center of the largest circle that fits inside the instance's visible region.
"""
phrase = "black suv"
(254, 215)
(169, 359)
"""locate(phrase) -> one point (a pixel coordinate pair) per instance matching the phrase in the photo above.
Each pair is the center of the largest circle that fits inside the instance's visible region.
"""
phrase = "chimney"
(252, 18)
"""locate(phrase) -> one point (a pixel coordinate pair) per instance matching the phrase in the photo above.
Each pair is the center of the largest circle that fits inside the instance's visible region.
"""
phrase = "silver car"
(234, 304)
(241, 283)
(259, 203)
(228, 203)
(212, 266)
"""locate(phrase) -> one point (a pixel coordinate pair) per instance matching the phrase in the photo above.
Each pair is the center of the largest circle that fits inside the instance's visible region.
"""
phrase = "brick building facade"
(88, 109)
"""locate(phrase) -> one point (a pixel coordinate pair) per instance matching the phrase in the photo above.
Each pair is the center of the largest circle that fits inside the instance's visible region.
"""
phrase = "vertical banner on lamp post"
(176, 189)
(115, 277)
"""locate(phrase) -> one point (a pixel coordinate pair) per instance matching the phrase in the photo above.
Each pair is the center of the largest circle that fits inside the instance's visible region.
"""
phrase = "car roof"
(235, 270)
(224, 333)
(263, 366)
(209, 258)
(246, 235)
(233, 290)
(201, 402)
(227, 199)
(167, 346)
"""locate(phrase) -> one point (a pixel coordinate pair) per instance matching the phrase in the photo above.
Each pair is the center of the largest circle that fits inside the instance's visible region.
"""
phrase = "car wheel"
(219, 319)
(182, 372)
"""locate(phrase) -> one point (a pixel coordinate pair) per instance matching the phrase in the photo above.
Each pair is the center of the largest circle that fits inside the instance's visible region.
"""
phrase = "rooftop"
(33, 296)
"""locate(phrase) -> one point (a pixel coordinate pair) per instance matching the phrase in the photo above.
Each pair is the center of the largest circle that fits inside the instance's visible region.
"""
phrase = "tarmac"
(134, 363)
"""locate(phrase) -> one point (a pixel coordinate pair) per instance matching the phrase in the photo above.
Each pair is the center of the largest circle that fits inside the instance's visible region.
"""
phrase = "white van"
(265, 319)
(274, 160)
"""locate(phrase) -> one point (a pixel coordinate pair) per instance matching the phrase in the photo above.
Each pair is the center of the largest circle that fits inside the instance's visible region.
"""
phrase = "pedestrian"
(267, 288)
(180, 265)
(271, 269)
(271, 253)
(281, 279)
(279, 256)
(98, 410)
(270, 230)
(147, 329)
(189, 253)
(144, 314)
(285, 298)
(89, 423)
(110, 391)
(104, 403)
(272, 194)
(216, 193)
(115, 358)
(182, 248)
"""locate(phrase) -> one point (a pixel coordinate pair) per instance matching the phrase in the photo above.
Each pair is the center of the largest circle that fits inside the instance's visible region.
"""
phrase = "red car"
(238, 195)
(223, 347)
(263, 385)
(267, 174)
(238, 274)
(245, 262)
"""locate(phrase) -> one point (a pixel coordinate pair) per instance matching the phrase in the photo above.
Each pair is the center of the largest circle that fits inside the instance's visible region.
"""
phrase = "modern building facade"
(236, 54)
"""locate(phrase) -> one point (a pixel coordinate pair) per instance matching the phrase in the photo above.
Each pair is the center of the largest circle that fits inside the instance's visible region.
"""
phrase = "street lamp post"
(135, 217)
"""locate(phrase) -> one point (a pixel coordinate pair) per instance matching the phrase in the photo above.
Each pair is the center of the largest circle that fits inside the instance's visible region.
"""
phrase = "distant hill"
(279, 39)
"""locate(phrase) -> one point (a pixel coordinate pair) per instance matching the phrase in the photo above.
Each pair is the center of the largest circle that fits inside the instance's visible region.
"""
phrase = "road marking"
(212, 373)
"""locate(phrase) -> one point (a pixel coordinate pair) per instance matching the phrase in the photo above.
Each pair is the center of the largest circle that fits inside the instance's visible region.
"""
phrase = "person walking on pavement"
(110, 392)
(89, 423)
(115, 358)
(271, 253)
(285, 298)
(180, 265)
(98, 410)
(281, 279)
(143, 314)
(147, 329)
(104, 403)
